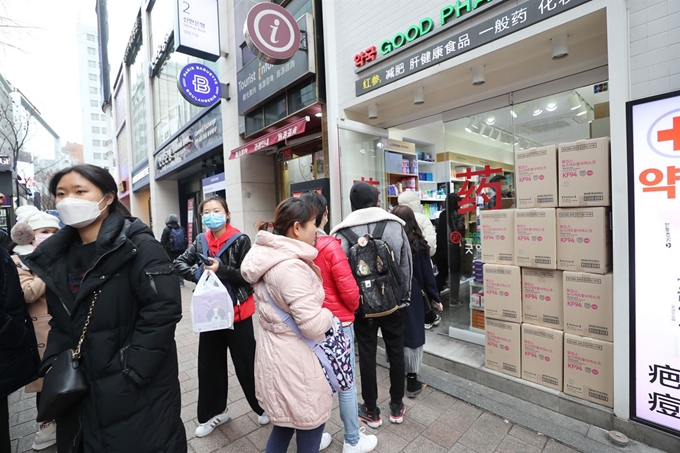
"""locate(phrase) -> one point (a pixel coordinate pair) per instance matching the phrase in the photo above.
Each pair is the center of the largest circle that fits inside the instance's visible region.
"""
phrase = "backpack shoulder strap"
(350, 235)
(204, 244)
(379, 229)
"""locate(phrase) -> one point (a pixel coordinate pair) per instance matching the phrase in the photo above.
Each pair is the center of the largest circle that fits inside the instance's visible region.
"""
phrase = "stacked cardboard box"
(560, 286)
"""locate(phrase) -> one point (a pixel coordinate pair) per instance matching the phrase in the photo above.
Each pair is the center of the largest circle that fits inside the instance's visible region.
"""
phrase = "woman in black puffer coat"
(129, 354)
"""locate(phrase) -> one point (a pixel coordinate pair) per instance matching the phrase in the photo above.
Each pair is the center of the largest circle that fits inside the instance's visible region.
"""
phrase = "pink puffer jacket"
(289, 381)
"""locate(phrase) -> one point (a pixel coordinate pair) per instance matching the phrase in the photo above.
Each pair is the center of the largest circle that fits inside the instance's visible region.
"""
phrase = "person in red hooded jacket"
(342, 299)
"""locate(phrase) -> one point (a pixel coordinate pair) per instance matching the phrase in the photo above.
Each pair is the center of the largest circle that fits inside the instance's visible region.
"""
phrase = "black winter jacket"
(129, 352)
(187, 265)
(19, 357)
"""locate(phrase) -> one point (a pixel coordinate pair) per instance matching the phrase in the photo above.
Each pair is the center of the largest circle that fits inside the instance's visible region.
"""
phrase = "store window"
(94, 103)
(91, 37)
(94, 90)
(97, 156)
(92, 64)
(302, 96)
(495, 136)
(140, 145)
(96, 143)
(103, 117)
(94, 116)
(171, 110)
(91, 51)
(361, 159)
(95, 129)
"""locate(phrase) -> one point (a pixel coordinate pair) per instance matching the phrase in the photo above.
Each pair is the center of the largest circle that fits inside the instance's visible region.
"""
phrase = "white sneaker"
(325, 441)
(46, 437)
(263, 419)
(206, 428)
(366, 443)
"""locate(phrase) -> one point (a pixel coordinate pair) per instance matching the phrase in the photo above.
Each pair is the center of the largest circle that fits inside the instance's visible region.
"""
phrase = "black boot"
(413, 386)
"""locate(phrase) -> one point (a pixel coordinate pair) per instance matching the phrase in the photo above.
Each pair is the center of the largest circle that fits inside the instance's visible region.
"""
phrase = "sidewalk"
(435, 422)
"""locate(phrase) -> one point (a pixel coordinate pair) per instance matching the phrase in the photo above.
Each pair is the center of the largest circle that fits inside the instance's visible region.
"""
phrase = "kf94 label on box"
(542, 355)
(588, 305)
(584, 240)
(503, 349)
(542, 298)
(535, 238)
(503, 292)
(589, 369)
(536, 177)
(497, 229)
(584, 173)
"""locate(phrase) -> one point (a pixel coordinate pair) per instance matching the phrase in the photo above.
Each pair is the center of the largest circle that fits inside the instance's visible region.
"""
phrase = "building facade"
(452, 86)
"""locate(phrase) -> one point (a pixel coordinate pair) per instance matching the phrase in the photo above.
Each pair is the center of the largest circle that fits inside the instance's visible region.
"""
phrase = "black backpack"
(178, 240)
(376, 272)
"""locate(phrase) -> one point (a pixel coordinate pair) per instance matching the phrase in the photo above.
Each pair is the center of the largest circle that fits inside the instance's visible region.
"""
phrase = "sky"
(46, 67)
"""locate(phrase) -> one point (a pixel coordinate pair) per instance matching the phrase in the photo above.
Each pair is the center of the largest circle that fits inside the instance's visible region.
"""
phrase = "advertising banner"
(654, 173)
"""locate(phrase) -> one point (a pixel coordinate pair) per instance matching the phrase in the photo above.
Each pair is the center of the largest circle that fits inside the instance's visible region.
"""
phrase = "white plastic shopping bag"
(211, 305)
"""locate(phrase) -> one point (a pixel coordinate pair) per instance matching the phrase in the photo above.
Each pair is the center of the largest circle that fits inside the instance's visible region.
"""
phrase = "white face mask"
(77, 212)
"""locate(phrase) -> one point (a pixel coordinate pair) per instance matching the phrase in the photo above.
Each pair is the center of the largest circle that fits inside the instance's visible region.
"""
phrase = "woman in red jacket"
(342, 298)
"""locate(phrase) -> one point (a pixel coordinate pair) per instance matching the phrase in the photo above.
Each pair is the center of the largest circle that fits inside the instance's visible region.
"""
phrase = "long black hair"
(97, 176)
(317, 200)
(412, 229)
(452, 206)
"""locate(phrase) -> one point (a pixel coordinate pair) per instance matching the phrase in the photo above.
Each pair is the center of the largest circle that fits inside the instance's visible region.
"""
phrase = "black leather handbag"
(65, 383)
(426, 302)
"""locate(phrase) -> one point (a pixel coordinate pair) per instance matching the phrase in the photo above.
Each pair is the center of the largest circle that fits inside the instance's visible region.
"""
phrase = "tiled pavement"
(435, 422)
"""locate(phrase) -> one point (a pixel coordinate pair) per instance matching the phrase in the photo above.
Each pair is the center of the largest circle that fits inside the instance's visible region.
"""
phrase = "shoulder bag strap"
(313, 345)
(76, 354)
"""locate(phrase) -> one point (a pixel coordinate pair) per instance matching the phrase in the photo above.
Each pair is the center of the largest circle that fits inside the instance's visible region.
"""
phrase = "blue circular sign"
(199, 85)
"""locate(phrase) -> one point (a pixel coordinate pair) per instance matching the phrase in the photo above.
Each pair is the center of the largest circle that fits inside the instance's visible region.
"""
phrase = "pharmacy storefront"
(513, 107)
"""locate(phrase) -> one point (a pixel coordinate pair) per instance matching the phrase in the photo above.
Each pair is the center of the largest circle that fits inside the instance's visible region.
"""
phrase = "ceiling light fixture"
(468, 128)
(478, 75)
(319, 114)
(582, 111)
(476, 126)
(418, 96)
(536, 109)
(551, 106)
(574, 101)
(512, 112)
(560, 46)
(372, 111)
(490, 119)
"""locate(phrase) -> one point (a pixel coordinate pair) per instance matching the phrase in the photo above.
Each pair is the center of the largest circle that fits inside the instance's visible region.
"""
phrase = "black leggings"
(308, 440)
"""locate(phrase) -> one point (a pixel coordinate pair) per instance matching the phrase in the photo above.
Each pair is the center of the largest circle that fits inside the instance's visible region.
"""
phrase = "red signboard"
(468, 194)
(190, 219)
(270, 139)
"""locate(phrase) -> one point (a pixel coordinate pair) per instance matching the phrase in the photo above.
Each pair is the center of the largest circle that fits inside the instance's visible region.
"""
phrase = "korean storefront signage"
(202, 137)
(270, 139)
(197, 28)
(654, 222)
(199, 85)
(453, 11)
(503, 24)
(140, 178)
(5, 163)
(271, 33)
(259, 81)
(214, 184)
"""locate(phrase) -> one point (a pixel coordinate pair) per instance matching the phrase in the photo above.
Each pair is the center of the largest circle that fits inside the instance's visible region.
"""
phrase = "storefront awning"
(270, 139)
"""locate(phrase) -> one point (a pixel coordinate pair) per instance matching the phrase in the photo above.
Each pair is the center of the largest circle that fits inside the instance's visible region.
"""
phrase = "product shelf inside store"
(415, 175)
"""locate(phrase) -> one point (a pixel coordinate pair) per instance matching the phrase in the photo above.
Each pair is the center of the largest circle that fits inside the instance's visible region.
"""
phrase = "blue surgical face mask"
(214, 221)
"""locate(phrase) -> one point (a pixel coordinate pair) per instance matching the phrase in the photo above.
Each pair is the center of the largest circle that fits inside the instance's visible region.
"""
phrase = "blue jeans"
(308, 441)
(349, 408)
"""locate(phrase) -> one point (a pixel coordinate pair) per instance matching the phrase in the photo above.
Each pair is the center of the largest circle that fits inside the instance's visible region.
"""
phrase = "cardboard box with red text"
(542, 355)
(497, 228)
(503, 348)
(535, 238)
(584, 173)
(589, 369)
(503, 292)
(542, 298)
(589, 305)
(536, 177)
(584, 240)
